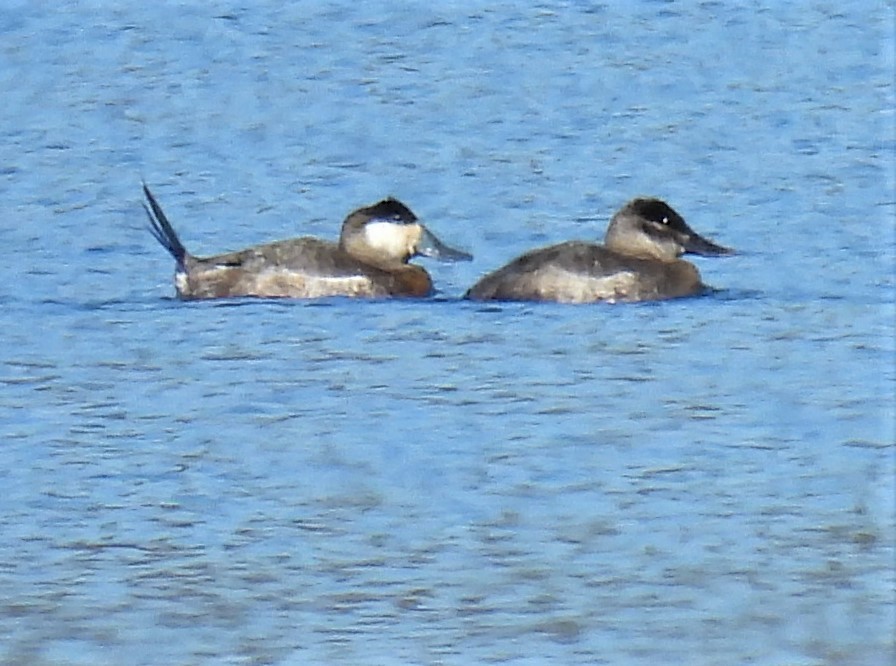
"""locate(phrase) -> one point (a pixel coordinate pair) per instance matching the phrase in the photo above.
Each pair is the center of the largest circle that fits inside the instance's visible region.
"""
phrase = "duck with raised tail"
(369, 260)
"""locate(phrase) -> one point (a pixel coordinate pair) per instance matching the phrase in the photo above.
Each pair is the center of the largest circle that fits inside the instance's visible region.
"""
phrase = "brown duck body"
(580, 272)
(370, 260)
(296, 268)
(639, 261)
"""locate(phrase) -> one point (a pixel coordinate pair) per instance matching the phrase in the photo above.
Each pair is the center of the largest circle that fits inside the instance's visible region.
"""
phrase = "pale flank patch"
(569, 287)
(393, 240)
(298, 285)
(222, 281)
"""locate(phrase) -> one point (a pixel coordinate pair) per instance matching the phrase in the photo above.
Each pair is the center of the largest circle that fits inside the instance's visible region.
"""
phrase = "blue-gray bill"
(696, 244)
(430, 246)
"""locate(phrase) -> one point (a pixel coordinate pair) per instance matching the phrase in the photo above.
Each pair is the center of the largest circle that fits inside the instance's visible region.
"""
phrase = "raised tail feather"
(161, 228)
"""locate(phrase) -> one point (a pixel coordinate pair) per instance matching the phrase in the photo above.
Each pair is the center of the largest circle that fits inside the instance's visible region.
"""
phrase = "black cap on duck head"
(657, 210)
(391, 210)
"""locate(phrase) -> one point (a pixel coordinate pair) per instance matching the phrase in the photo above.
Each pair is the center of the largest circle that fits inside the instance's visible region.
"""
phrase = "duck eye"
(665, 221)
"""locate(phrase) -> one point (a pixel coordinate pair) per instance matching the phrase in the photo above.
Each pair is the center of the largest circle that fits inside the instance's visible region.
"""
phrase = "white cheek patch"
(393, 240)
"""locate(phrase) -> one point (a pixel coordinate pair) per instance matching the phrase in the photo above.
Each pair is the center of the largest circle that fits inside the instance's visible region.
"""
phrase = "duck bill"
(430, 246)
(696, 244)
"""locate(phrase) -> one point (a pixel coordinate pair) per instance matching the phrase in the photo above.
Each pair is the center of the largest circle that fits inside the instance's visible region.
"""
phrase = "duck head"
(388, 233)
(651, 229)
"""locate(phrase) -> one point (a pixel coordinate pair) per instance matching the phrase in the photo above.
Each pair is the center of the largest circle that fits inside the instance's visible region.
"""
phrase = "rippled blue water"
(706, 481)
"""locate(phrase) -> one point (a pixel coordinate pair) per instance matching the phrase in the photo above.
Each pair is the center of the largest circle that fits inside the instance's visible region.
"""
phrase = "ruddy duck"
(639, 261)
(370, 259)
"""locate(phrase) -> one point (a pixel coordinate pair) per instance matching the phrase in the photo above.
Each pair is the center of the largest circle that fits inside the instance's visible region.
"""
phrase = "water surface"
(704, 481)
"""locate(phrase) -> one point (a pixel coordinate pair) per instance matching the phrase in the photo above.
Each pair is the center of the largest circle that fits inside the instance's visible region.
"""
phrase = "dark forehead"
(391, 208)
(654, 209)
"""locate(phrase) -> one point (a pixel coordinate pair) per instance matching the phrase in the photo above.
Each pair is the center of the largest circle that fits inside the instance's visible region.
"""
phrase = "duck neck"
(411, 280)
(639, 247)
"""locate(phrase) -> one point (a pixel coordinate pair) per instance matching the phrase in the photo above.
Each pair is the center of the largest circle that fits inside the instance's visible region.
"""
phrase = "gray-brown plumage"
(638, 261)
(370, 259)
